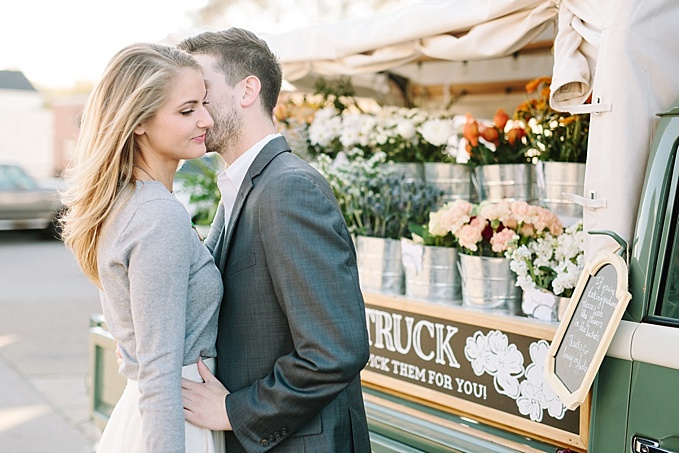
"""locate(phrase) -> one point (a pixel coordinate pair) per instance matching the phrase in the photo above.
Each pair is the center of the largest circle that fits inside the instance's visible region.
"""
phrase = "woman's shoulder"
(150, 203)
(153, 195)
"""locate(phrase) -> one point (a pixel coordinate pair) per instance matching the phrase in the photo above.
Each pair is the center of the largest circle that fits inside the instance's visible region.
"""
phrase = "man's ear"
(251, 89)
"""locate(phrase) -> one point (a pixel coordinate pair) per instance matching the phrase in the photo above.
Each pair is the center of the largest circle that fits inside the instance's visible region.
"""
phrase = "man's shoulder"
(289, 166)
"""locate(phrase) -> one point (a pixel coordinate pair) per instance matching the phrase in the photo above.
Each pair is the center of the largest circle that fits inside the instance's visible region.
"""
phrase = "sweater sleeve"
(159, 248)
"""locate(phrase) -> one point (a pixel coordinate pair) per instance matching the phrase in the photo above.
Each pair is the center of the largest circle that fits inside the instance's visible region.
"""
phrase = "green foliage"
(201, 181)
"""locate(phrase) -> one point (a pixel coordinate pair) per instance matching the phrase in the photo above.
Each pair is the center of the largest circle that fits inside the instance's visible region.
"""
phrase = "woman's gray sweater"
(160, 299)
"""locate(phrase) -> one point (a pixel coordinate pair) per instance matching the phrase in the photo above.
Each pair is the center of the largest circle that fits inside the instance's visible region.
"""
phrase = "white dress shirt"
(230, 180)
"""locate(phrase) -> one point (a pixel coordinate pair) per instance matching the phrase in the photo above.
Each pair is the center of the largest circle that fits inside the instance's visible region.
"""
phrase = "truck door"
(653, 416)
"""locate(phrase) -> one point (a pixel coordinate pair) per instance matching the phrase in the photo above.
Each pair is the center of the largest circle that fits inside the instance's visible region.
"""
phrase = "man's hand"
(204, 403)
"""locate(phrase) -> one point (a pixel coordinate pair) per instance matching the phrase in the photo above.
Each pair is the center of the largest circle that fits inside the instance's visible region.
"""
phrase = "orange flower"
(471, 131)
(281, 112)
(535, 83)
(545, 92)
(568, 120)
(515, 134)
(500, 119)
(491, 134)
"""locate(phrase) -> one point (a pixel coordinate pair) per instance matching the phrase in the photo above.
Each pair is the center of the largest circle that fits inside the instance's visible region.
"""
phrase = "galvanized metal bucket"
(453, 179)
(379, 265)
(509, 182)
(488, 283)
(556, 178)
(431, 273)
(414, 171)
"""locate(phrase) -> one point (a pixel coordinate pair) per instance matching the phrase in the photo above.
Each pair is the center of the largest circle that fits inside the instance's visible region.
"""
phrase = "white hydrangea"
(405, 128)
(356, 129)
(563, 254)
(437, 131)
(325, 127)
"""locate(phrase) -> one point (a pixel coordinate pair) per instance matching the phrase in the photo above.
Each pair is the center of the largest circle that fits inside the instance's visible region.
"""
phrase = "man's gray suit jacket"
(292, 335)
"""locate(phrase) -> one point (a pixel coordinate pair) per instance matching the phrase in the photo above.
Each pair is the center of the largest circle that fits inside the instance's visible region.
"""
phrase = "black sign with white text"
(489, 367)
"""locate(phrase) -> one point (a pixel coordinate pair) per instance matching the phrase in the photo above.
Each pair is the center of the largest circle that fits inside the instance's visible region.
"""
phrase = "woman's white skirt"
(123, 431)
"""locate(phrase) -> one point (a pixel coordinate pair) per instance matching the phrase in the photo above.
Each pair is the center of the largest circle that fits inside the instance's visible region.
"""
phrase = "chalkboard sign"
(586, 331)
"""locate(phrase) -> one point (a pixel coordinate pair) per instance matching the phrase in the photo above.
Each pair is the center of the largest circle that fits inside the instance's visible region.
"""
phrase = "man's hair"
(240, 53)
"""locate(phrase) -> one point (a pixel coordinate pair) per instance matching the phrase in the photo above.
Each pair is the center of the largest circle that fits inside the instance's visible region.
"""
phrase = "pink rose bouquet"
(491, 229)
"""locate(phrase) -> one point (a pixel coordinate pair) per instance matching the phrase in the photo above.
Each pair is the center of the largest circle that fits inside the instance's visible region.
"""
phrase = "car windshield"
(13, 177)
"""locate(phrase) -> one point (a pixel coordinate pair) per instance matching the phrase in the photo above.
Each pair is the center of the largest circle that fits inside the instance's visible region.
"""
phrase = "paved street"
(45, 304)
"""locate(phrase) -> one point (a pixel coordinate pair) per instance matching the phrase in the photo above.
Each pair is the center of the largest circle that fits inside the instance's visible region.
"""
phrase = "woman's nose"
(206, 120)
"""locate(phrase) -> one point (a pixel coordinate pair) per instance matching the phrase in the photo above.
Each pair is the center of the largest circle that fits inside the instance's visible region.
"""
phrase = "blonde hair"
(135, 84)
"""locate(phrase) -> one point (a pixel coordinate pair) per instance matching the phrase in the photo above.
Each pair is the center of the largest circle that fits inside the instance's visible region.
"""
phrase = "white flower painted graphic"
(535, 376)
(479, 354)
(494, 355)
(531, 401)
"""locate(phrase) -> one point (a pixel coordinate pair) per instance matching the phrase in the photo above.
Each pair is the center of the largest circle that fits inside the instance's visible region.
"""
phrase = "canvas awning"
(446, 50)
(625, 54)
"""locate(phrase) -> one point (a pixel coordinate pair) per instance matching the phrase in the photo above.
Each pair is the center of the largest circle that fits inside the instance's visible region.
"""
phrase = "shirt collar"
(237, 170)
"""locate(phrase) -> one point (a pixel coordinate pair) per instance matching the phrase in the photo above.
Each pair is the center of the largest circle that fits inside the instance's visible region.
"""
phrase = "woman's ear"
(139, 129)
(251, 89)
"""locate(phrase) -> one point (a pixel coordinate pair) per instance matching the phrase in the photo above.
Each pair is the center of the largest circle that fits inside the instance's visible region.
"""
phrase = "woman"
(160, 289)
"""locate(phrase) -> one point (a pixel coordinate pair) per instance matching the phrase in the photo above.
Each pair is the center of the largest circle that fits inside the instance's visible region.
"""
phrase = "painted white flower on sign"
(535, 376)
(479, 354)
(531, 401)
(493, 354)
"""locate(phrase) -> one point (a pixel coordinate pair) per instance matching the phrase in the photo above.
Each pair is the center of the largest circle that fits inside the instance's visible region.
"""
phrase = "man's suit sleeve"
(313, 269)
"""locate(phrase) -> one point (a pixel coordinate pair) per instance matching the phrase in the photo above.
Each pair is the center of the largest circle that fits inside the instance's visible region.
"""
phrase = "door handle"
(644, 445)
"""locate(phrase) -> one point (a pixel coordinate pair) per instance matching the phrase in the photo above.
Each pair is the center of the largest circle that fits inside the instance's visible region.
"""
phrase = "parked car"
(25, 204)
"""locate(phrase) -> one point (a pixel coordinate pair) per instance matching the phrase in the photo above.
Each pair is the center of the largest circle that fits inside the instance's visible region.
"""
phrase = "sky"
(61, 43)
(58, 43)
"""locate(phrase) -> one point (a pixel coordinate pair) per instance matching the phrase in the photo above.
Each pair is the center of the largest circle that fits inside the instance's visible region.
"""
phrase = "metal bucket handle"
(541, 184)
(477, 186)
(554, 310)
(459, 268)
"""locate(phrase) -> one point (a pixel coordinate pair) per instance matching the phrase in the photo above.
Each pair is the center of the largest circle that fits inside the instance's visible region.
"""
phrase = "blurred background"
(53, 52)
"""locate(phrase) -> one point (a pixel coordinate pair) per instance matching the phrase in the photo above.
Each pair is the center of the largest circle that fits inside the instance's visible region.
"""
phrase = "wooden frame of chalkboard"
(587, 328)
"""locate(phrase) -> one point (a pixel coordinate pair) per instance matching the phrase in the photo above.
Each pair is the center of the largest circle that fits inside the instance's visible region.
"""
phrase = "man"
(292, 335)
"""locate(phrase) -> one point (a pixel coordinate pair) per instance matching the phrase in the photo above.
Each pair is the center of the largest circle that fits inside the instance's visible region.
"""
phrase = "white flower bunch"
(325, 127)
(570, 257)
(437, 131)
(404, 134)
(553, 263)
(356, 129)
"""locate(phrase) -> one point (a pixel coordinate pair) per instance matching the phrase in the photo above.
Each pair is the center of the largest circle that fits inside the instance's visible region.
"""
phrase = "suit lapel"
(266, 155)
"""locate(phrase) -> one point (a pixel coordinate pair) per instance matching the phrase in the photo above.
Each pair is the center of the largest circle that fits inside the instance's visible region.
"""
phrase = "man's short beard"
(227, 129)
